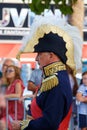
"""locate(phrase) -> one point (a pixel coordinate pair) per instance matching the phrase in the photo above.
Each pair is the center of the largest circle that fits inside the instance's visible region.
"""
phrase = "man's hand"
(24, 124)
(20, 125)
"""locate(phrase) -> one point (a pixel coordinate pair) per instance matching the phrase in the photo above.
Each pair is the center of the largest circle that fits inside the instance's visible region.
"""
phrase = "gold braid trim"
(53, 68)
(49, 83)
(24, 124)
(45, 29)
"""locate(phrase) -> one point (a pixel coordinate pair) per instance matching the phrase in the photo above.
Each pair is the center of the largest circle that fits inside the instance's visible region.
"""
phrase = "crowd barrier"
(72, 126)
(74, 122)
(7, 107)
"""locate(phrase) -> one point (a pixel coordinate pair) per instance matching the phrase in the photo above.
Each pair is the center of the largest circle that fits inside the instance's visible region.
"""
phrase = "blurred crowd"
(13, 85)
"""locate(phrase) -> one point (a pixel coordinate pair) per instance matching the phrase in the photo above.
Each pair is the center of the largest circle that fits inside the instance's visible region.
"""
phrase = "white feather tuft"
(62, 23)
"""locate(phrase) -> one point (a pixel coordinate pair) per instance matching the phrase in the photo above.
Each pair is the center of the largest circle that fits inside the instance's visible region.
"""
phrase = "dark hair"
(84, 73)
(71, 72)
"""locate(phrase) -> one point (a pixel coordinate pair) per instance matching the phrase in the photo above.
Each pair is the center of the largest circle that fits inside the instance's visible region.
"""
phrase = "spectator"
(25, 74)
(6, 63)
(82, 98)
(2, 103)
(2, 106)
(73, 81)
(14, 90)
(33, 86)
(35, 80)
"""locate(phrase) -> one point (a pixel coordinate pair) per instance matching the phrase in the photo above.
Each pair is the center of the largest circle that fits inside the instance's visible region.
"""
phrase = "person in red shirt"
(14, 90)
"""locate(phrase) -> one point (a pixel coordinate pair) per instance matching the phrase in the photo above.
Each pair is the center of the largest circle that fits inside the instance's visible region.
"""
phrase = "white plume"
(62, 23)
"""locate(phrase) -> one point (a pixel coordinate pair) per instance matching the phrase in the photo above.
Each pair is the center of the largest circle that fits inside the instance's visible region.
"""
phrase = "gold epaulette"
(49, 83)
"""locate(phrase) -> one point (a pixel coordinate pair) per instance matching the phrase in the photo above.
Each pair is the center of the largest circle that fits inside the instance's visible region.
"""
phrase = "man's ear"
(51, 54)
(54, 56)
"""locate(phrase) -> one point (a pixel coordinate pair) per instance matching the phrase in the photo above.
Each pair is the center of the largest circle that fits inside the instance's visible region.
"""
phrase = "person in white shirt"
(82, 98)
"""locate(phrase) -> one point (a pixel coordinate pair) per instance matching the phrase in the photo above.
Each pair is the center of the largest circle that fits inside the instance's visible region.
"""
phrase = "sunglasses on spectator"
(9, 71)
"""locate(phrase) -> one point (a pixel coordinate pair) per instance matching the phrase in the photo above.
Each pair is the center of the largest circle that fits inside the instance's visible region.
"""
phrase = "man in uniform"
(52, 109)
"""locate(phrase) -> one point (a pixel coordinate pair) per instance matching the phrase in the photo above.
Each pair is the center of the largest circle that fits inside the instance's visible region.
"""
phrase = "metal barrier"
(71, 126)
(24, 106)
(7, 108)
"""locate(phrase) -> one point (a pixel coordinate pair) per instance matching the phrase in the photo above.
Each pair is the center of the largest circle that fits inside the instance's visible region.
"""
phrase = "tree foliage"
(65, 6)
